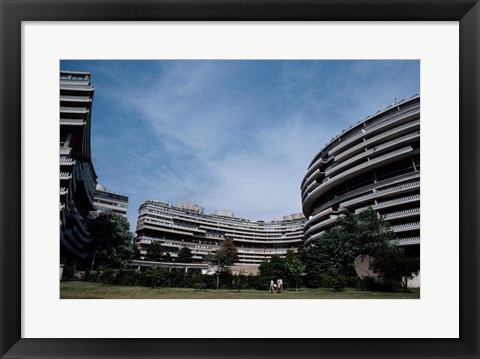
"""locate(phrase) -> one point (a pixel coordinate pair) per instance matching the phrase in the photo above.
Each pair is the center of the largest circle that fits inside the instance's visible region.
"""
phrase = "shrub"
(338, 282)
(156, 277)
(226, 278)
(376, 284)
(106, 276)
(86, 276)
(128, 277)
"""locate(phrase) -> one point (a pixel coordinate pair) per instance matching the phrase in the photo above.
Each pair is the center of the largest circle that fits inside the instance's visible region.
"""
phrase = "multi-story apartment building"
(105, 200)
(186, 225)
(376, 163)
(77, 175)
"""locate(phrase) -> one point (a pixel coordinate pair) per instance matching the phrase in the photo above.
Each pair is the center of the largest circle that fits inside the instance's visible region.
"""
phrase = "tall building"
(77, 175)
(105, 200)
(186, 225)
(376, 163)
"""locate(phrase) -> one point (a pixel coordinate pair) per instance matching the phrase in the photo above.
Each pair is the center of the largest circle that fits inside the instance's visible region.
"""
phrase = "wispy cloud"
(234, 135)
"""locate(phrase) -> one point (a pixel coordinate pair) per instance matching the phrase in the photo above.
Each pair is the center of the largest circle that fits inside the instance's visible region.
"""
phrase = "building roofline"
(75, 72)
(360, 123)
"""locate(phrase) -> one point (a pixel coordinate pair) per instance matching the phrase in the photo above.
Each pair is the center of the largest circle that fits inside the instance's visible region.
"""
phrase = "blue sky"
(235, 135)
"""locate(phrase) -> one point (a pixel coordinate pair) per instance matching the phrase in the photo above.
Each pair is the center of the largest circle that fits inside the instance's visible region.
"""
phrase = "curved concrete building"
(185, 225)
(376, 163)
(77, 175)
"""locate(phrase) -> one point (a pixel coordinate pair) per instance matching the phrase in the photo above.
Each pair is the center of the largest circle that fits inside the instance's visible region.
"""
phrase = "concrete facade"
(187, 226)
(376, 163)
(77, 175)
(105, 200)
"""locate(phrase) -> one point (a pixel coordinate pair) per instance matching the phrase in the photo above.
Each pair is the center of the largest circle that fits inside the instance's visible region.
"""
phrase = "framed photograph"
(441, 39)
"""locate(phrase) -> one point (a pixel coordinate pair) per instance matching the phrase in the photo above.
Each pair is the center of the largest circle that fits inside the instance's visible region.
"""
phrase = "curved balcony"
(406, 227)
(367, 131)
(65, 161)
(397, 132)
(310, 182)
(414, 212)
(64, 109)
(397, 201)
(373, 163)
(72, 121)
(321, 226)
(65, 176)
(69, 241)
(377, 194)
(382, 148)
(309, 198)
(316, 166)
(75, 98)
(408, 241)
(316, 217)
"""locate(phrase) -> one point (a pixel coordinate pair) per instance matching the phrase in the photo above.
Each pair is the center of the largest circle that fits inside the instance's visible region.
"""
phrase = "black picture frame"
(13, 12)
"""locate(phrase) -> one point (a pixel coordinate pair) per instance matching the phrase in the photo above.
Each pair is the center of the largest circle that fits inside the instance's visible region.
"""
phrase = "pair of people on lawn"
(276, 287)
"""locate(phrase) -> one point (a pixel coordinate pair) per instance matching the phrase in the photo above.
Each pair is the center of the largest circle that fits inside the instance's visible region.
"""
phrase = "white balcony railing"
(327, 183)
(400, 200)
(72, 121)
(405, 213)
(405, 226)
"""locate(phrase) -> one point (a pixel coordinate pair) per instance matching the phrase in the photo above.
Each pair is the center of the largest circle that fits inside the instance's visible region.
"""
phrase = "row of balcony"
(168, 230)
(204, 226)
(75, 98)
(67, 240)
(316, 165)
(245, 238)
(374, 151)
(64, 88)
(376, 194)
(313, 175)
(215, 221)
(315, 218)
(328, 183)
(66, 161)
(380, 138)
(208, 248)
(413, 184)
(405, 227)
(365, 131)
(399, 214)
(65, 175)
(409, 240)
(72, 121)
(323, 224)
(76, 82)
(73, 109)
(366, 194)
(401, 200)
(369, 160)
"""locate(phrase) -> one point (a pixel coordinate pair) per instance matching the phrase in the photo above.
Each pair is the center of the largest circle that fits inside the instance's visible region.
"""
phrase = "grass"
(87, 290)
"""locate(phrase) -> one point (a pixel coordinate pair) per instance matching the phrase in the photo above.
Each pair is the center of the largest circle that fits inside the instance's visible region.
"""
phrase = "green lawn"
(87, 290)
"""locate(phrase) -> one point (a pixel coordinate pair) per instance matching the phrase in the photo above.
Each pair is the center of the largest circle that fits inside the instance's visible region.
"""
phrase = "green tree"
(167, 258)
(136, 253)
(226, 255)
(112, 242)
(295, 269)
(353, 234)
(392, 264)
(273, 268)
(184, 255)
(154, 252)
